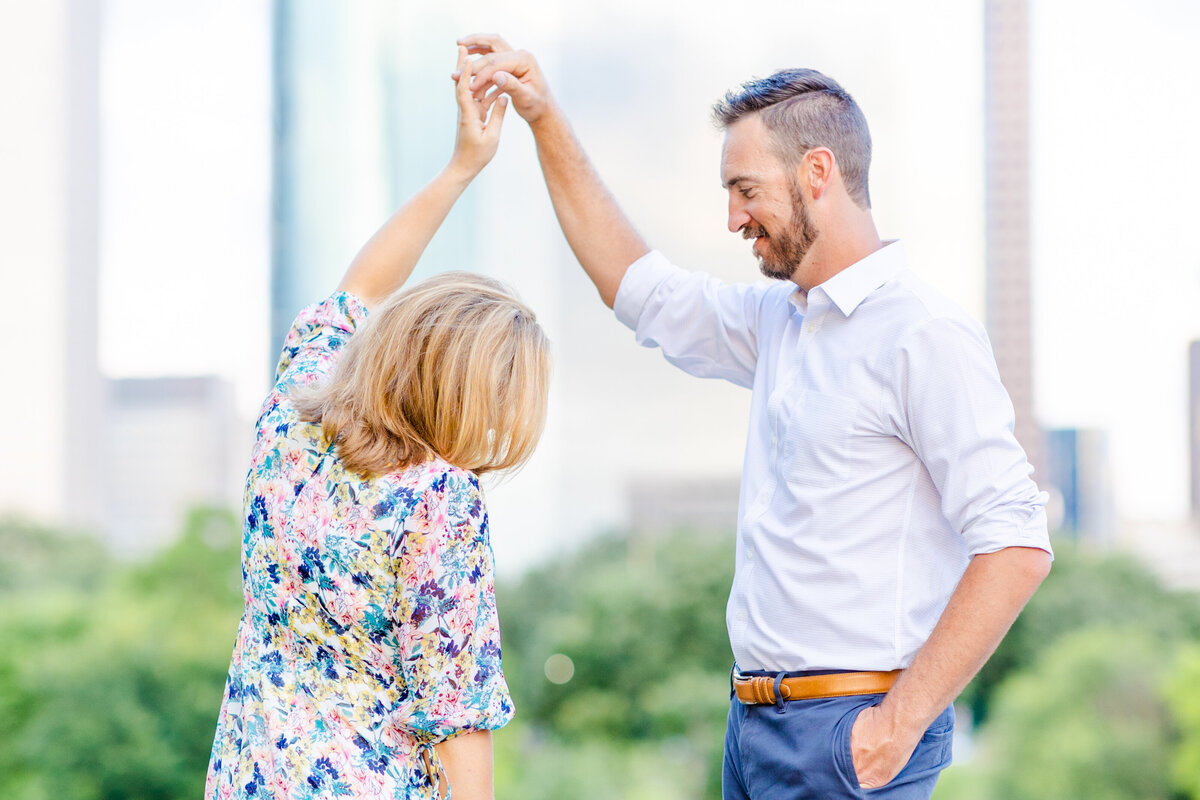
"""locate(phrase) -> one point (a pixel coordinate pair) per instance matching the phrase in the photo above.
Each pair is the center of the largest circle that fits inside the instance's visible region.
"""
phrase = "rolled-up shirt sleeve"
(449, 654)
(952, 410)
(704, 326)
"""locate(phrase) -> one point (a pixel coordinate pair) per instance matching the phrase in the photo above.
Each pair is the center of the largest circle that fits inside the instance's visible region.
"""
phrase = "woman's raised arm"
(388, 258)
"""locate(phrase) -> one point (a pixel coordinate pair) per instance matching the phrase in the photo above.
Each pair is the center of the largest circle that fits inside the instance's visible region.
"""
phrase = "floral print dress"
(370, 629)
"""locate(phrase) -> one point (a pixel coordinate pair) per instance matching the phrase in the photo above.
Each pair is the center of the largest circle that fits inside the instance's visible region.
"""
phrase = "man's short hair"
(803, 109)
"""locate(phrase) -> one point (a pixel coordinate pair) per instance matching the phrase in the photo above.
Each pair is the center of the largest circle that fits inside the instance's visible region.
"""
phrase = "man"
(888, 525)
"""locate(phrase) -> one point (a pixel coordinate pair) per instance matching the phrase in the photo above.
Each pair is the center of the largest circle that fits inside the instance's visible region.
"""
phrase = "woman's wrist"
(460, 174)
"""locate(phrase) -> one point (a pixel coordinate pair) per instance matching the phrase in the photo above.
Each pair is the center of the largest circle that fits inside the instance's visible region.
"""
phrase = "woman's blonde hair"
(455, 366)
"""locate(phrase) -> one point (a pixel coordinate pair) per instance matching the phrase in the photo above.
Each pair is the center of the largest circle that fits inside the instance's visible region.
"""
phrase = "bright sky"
(1116, 102)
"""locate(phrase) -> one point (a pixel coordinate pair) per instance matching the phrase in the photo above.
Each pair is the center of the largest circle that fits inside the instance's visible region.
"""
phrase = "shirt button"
(749, 554)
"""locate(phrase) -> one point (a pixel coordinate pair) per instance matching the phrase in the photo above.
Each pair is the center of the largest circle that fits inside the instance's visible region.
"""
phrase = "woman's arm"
(388, 258)
(448, 650)
(467, 760)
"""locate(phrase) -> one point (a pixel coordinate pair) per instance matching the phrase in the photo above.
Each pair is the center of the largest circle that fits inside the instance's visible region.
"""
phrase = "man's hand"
(992, 591)
(878, 750)
(478, 134)
(512, 72)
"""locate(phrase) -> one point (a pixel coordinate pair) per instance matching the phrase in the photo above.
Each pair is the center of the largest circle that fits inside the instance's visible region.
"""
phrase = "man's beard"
(786, 250)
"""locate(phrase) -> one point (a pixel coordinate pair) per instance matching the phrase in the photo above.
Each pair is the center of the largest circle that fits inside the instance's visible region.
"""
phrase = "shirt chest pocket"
(816, 440)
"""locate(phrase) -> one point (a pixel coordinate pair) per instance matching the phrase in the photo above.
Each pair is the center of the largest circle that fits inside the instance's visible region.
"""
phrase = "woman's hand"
(508, 71)
(478, 131)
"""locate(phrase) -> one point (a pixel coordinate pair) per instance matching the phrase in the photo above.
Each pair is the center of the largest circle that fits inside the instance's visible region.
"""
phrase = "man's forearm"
(602, 238)
(992, 592)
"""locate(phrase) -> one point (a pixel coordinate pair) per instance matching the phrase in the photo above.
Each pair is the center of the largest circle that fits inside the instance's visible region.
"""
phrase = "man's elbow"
(1031, 564)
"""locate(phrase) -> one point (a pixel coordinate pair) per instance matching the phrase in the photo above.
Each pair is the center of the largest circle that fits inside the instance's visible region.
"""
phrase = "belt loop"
(780, 708)
(732, 672)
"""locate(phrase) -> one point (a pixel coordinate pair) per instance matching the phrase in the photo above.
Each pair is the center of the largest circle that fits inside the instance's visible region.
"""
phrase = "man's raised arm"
(600, 235)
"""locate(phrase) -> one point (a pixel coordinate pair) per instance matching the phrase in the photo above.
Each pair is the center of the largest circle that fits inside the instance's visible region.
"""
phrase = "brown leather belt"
(760, 689)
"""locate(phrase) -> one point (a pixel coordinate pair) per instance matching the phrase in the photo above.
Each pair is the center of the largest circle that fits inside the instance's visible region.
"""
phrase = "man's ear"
(816, 171)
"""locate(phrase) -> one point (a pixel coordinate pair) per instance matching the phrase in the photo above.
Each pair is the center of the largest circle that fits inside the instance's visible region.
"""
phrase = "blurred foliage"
(37, 559)
(111, 674)
(643, 621)
(534, 765)
(1182, 695)
(1083, 590)
(1091, 695)
(1087, 721)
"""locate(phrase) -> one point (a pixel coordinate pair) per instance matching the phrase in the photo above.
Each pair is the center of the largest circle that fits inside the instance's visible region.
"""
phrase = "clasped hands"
(484, 88)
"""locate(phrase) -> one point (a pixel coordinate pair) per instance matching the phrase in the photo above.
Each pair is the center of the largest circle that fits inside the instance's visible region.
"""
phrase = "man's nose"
(737, 216)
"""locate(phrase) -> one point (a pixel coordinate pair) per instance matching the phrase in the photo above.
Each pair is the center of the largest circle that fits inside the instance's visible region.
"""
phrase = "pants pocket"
(843, 758)
(933, 752)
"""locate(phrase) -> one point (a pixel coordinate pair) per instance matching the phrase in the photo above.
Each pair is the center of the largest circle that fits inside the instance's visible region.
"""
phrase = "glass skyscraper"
(362, 117)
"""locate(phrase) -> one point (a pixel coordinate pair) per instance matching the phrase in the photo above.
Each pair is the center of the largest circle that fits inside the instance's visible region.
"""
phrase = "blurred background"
(178, 179)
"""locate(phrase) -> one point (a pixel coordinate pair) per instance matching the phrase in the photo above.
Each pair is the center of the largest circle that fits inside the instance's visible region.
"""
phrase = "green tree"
(110, 687)
(1183, 702)
(642, 621)
(1084, 590)
(1087, 721)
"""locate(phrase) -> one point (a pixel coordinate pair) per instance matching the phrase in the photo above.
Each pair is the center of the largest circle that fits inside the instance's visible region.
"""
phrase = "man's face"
(766, 202)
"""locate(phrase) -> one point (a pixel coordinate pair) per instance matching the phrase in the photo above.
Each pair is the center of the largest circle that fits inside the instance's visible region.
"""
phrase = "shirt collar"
(855, 283)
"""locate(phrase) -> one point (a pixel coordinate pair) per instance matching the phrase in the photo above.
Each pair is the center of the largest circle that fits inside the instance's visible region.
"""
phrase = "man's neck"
(836, 248)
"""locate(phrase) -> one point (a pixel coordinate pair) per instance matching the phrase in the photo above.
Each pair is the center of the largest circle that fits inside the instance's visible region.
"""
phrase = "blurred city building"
(1078, 468)
(1006, 154)
(122, 458)
(173, 443)
(1170, 549)
(348, 144)
(704, 505)
(49, 200)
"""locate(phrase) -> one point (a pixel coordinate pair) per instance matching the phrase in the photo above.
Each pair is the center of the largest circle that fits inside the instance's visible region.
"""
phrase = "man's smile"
(756, 233)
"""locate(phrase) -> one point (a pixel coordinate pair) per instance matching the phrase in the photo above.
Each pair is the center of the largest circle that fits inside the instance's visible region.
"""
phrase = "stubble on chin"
(773, 270)
(785, 252)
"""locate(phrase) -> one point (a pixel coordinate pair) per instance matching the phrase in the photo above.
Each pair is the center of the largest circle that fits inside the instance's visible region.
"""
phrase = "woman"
(367, 662)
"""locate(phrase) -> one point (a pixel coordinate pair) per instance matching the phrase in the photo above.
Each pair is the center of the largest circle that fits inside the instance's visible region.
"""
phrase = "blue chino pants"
(800, 750)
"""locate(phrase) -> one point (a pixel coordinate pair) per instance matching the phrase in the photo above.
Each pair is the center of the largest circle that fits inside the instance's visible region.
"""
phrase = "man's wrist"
(901, 721)
(548, 122)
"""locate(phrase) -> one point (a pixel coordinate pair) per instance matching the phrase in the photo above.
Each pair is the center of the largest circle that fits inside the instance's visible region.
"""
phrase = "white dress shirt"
(880, 454)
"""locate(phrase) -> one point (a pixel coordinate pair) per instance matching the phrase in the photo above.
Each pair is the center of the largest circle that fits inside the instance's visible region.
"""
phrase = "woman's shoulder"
(439, 492)
(434, 475)
(432, 482)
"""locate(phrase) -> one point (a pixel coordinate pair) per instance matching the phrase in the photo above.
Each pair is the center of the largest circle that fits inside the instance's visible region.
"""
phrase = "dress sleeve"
(317, 334)
(449, 652)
